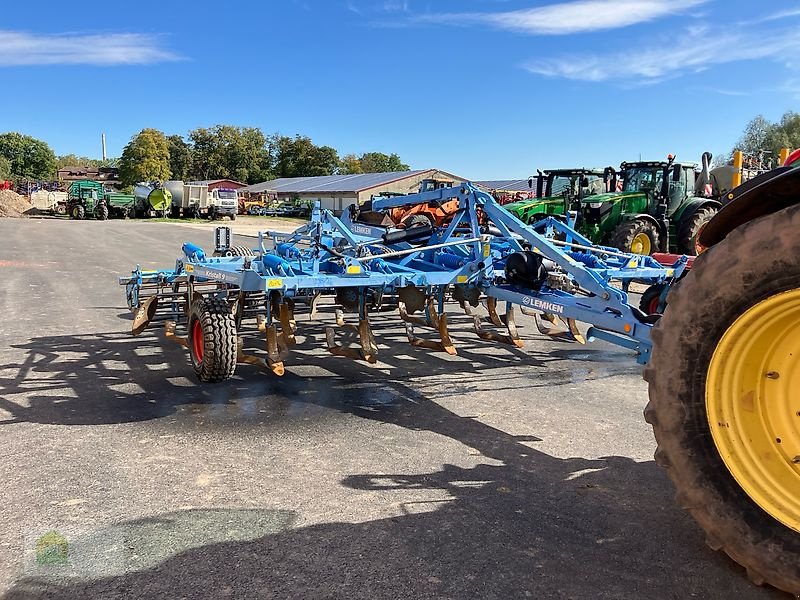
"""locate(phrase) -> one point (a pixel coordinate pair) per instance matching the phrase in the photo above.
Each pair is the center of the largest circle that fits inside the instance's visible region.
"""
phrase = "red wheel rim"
(197, 340)
(653, 307)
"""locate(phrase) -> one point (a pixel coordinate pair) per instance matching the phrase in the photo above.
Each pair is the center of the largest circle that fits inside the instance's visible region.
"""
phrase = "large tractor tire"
(101, 212)
(212, 340)
(689, 231)
(639, 236)
(78, 212)
(724, 401)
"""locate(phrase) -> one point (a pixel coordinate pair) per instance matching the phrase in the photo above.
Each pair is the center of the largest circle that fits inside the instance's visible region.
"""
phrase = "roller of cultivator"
(484, 254)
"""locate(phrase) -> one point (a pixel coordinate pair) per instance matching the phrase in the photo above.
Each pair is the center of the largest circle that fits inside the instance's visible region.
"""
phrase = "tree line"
(245, 154)
(762, 140)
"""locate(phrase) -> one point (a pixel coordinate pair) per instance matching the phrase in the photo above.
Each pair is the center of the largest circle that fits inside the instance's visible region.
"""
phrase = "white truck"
(223, 202)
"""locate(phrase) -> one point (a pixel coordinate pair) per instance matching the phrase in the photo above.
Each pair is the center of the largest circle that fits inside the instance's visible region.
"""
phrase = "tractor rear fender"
(638, 217)
(766, 194)
(691, 207)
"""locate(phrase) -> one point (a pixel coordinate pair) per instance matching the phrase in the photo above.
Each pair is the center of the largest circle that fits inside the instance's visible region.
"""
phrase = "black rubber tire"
(757, 260)
(417, 220)
(650, 299)
(77, 212)
(690, 228)
(240, 251)
(175, 212)
(233, 217)
(219, 340)
(101, 212)
(624, 234)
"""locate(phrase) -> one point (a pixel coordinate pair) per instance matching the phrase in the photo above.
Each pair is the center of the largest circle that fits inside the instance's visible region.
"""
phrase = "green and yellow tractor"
(724, 380)
(557, 192)
(662, 207)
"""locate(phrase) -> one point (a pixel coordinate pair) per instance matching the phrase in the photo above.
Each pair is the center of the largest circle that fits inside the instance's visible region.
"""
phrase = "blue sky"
(482, 88)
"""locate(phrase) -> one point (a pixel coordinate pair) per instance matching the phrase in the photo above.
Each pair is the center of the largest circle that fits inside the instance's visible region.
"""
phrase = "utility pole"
(103, 140)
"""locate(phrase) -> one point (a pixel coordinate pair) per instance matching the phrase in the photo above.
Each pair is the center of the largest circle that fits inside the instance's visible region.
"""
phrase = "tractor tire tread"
(623, 236)
(690, 228)
(758, 261)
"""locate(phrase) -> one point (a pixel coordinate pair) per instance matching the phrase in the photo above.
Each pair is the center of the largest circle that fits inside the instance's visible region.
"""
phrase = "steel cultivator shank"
(484, 255)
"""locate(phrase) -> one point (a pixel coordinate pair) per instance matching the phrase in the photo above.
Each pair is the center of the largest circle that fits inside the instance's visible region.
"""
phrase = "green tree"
(350, 165)
(73, 160)
(29, 158)
(145, 158)
(378, 162)
(300, 157)
(785, 134)
(225, 151)
(763, 139)
(5, 168)
(180, 157)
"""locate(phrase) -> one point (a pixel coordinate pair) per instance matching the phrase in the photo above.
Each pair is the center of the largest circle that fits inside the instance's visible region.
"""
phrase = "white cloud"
(565, 18)
(18, 48)
(696, 51)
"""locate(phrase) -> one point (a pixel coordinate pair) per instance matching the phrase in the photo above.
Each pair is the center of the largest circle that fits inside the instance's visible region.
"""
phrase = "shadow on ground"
(526, 525)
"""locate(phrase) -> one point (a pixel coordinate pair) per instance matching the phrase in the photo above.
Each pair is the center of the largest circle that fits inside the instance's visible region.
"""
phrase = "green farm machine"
(662, 207)
(558, 192)
(87, 198)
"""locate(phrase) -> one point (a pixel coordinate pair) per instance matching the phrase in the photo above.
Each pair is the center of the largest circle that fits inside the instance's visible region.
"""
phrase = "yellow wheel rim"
(753, 404)
(641, 244)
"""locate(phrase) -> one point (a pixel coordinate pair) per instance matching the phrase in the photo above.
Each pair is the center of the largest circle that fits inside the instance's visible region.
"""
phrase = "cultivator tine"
(144, 315)
(285, 312)
(529, 312)
(274, 358)
(369, 348)
(491, 306)
(433, 319)
(572, 333)
(313, 306)
(572, 325)
(169, 333)
(511, 338)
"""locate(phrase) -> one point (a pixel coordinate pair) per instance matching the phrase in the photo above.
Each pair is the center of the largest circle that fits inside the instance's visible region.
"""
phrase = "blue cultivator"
(485, 253)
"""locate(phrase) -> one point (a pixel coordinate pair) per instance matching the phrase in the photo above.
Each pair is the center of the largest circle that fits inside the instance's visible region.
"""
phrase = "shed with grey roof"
(337, 192)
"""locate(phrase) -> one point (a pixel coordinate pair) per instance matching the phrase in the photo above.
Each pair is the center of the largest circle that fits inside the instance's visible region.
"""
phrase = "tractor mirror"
(676, 173)
(584, 182)
(530, 183)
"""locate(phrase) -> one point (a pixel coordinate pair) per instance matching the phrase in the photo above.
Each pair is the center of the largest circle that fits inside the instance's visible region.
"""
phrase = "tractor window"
(643, 179)
(562, 185)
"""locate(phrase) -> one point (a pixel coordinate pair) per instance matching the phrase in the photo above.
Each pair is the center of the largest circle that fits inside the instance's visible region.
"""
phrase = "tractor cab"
(572, 184)
(431, 185)
(663, 182)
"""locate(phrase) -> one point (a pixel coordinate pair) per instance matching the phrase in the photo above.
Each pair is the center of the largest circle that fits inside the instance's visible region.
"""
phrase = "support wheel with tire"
(724, 406)
(650, 303)
(101, 212)
(690, 228)
(639, 236)
(212, 340)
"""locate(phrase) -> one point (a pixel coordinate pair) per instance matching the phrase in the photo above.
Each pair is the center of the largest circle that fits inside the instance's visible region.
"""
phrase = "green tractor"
(86, 198)
(557, 192)
(661, 208)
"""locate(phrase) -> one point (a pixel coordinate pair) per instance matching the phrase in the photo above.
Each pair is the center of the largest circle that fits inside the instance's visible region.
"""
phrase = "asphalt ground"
(499, 473)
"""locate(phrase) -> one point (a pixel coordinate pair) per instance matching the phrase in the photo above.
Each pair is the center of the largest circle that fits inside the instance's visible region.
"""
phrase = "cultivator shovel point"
(144, 315)
(572, 333)
(508, 321)
(369, 348)
(432, 319)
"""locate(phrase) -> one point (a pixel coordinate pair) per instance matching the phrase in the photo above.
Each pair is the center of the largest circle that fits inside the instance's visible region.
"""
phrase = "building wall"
(338, 202)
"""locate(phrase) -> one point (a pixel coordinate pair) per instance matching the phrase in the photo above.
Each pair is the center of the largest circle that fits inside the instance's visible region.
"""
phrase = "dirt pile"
(13, 205)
